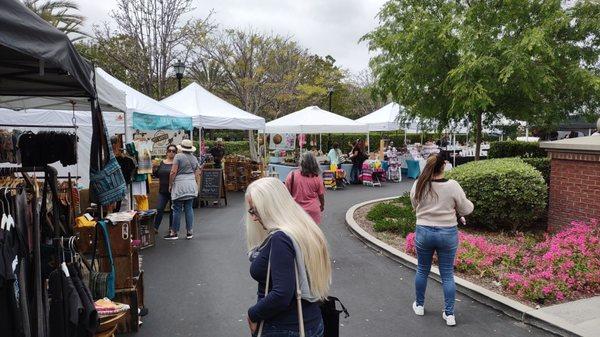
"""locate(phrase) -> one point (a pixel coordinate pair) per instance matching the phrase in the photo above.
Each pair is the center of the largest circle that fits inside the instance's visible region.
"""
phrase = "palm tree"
(59, 14)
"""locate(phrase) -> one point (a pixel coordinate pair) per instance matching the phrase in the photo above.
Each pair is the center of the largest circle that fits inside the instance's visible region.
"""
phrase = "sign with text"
(212, 185)
(161, 139)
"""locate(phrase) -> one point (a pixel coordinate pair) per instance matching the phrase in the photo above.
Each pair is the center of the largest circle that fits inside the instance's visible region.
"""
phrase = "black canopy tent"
(39, 66)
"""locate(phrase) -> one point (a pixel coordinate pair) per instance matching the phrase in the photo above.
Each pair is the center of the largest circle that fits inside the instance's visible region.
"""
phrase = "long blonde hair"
(278, 211)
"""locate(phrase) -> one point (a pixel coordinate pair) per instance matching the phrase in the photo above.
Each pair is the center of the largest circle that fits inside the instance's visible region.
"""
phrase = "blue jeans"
(163, 200)
(274, 330)
(443, 241)
(183, 206)
(354, 173)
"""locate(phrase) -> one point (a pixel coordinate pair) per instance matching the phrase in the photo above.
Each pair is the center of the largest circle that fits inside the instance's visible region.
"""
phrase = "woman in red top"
(306, 187)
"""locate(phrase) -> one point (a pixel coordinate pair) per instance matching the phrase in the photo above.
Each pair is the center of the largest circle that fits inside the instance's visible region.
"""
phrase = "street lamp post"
(179, 70)
(330, 94)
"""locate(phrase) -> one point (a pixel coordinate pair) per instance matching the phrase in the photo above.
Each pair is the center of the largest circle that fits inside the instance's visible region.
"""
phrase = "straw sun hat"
(186, 145)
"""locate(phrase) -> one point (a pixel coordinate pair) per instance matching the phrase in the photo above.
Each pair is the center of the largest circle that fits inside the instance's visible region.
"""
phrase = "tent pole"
(454, 150)
(200, 141)
(368, 143)
(320, 142)
(265, 146)
(126, 126)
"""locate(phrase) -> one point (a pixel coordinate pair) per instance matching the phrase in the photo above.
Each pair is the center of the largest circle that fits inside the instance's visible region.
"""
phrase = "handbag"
(298, 299)
(331, 316)
(102, 284)
(107, 184)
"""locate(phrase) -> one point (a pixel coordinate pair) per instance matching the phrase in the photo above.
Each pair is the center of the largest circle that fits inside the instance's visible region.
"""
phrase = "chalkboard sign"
(212, 185)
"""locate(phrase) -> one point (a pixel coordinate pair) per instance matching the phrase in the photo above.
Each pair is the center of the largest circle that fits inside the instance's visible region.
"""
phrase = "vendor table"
(346, 167)
(282, 170)
(413, 168)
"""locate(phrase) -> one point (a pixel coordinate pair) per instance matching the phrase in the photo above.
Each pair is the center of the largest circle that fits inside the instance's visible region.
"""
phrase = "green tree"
(532, 60)
(259, 73)
(150, 36)
(60, 14)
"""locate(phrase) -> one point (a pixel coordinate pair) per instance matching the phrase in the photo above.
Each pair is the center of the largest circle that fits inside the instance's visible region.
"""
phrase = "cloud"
(325, 27)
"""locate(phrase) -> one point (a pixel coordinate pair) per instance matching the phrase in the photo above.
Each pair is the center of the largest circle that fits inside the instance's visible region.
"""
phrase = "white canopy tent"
(212, 112)
(385, 119)
(313, 119)
(110, 96)
(136, 102)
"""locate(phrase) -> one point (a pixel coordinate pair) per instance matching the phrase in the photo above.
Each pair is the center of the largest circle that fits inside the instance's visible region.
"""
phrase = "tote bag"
(107, 184)
(102, 284)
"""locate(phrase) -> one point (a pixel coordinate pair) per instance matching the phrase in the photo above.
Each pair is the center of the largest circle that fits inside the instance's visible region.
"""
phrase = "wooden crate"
(120, 235)
(145, 232)
(131, 321)
(133, 296)
(127, 269)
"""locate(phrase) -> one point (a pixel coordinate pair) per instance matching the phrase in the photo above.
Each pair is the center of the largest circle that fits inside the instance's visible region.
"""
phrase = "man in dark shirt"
(218, 152)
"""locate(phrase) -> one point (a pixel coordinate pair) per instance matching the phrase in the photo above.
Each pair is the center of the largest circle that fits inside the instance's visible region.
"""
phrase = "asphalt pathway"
(202, 287)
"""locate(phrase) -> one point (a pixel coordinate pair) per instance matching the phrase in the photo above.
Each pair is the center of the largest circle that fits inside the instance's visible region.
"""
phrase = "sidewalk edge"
(510, 307)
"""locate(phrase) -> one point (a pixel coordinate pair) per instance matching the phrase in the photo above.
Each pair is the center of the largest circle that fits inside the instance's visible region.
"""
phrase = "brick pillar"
(574, 186)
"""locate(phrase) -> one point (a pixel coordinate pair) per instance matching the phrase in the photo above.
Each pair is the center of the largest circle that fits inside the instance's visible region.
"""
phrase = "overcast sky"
(325, 27)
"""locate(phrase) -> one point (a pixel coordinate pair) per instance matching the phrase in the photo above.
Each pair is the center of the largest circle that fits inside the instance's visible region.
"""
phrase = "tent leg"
(200, 148)
(454, 151)
(368, 143)
(320, 143)
(126, 126)
(265, 147)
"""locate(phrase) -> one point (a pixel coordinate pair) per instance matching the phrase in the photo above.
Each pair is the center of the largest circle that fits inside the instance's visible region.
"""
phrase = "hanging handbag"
(298, 299)
(102, 284)
(331, 316)
(107, 184)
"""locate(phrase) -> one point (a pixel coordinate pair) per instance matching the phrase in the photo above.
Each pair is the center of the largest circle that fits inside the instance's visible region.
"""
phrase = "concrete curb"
(512, 308)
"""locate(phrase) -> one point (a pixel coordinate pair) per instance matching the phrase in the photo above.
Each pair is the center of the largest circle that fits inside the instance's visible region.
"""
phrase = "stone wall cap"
(590, 143)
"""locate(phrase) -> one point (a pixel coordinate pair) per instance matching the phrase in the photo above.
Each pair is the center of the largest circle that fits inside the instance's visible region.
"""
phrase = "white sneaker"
(450, 320)
(418, 309)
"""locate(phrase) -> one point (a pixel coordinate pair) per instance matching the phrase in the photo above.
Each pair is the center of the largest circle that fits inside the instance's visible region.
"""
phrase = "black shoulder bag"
(331, 316)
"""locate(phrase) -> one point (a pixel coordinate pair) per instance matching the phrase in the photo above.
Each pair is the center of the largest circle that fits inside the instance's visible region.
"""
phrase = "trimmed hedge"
(508, 193)
(512, 148)
(542, 165)
(237, 147)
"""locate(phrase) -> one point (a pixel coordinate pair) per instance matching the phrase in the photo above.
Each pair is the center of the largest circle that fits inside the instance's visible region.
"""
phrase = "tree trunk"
(253, 151)
(478, 130)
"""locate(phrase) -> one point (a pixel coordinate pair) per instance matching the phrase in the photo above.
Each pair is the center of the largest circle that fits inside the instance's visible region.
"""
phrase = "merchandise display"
(373, 173)
(240, 171)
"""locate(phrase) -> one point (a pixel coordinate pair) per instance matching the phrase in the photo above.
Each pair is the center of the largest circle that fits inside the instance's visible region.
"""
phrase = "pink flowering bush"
(562, 266)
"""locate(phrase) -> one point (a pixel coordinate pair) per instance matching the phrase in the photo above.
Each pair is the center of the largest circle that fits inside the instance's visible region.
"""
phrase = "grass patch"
(396, 216)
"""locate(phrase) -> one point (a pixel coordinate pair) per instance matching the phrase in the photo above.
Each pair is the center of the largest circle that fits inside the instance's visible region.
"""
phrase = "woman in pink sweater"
(307, 188)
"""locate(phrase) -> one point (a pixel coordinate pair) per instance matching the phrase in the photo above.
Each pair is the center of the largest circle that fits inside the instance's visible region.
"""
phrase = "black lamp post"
(179, 70)
(330, 94)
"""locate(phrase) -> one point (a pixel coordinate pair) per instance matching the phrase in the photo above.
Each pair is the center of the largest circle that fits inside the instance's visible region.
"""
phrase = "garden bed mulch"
(397, 241)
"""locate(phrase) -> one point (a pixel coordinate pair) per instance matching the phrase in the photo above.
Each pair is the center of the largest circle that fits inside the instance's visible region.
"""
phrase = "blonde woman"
(285, 240)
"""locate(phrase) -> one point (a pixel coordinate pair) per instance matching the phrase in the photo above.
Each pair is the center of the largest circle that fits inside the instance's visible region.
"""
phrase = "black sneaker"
(189, 235)
(171, 236)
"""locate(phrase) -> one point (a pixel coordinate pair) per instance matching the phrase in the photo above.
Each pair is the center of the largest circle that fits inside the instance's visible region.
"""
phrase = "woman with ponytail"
(437, 201)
